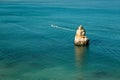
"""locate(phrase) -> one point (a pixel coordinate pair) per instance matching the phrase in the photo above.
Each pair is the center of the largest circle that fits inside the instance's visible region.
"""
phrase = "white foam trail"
(54, 26)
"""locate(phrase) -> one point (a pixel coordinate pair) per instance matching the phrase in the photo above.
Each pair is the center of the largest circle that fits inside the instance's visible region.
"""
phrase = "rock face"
(80, 37)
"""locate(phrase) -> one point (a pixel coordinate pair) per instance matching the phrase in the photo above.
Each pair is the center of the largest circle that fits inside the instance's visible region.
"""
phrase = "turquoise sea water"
(30, 49)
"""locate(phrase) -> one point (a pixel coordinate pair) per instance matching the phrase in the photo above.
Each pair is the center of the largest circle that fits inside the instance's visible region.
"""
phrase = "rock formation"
(80, 37)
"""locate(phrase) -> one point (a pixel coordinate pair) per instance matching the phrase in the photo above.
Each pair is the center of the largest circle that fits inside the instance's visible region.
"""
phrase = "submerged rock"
(80, 37)
(100, 74)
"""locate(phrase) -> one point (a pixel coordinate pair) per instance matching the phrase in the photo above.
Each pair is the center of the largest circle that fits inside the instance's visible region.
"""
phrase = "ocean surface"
(30, 49)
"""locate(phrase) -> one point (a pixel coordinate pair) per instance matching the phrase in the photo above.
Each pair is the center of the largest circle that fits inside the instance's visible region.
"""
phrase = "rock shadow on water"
(80, 58)
(80, 54)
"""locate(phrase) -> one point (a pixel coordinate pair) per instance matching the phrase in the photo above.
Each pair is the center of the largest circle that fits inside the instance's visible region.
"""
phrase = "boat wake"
(68, 29)
(55, 26)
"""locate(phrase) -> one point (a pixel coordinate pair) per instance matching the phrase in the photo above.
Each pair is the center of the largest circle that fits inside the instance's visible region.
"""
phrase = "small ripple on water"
(10, 21)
